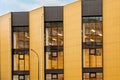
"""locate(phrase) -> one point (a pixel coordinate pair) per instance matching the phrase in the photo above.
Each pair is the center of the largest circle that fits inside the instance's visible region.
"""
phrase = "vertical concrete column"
(5, 47)
(72, 41)
(111, 39)
(36, 23)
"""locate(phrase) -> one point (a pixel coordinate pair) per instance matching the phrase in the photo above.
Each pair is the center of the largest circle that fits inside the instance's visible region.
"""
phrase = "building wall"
(36, 43)
(5, 46)
(111, 39)
(72, 41)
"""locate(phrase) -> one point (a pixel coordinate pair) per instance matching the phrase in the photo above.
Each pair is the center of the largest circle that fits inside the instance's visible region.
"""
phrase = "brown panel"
(92, 7)
(72, 42)
(5, 46)
(54, 13)
(20, 19)
(37, 43)
(111, 39)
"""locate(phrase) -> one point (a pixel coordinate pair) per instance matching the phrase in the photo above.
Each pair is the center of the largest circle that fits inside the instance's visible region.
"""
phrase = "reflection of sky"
(26, 5)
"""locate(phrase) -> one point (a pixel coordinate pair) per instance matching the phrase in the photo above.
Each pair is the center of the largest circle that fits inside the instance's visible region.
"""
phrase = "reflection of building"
(78, 41)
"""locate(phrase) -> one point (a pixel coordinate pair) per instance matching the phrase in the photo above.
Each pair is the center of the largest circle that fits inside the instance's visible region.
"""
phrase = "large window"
(20, 53)
(54, 51)
(92, 48)
(54, 34)
(92, 31)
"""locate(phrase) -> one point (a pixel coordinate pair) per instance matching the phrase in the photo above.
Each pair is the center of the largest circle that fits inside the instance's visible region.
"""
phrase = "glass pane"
(86, 57)
(15, 61)
(98, 32)
(60, 36)
(54, 41)
(54, 32)
(15, 39)
(26, 44)
(54, 36)
(48, 77)
(26, 62)
(15, 77)
(99, 76)
(54, 76)
(86, 76)
(26, 77)
(92, 32)
(60, 77)
(48, 60)
(60, 60)
(99, 57)
(21, 64)
(54, 63)
(48, 36)
(86, 32)
(21, 44)
(92, 61)
(21, 77)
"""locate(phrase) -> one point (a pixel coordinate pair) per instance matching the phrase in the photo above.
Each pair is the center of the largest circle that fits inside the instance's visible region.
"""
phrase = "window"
(54, 76)
(92, 57)
(92, 30)
(54, 50)
(54, 60)
(92, 48)
(20, 53)
(92, 76)
(54, 34)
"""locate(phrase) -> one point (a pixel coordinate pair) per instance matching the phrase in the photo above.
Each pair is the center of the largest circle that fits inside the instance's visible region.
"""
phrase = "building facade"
(15, 46)
(77, 41)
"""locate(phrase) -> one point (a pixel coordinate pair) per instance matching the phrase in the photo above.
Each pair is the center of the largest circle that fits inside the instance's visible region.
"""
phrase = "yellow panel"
(5, 46)
(111, 39)
(72, 42)
(37, 43)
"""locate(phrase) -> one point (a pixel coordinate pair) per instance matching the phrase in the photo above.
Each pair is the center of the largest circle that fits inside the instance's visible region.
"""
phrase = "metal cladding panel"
(37, 44)
(72, 40)
(54, 13)
(91, 7)
(5, 47)
(20, 18)
(111, 39)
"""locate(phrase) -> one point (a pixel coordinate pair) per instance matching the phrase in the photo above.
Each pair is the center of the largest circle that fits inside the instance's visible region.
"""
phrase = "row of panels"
(72, 20)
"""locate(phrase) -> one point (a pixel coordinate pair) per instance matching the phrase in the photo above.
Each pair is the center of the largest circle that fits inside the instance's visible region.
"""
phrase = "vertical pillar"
(111, 39)
(72, 41)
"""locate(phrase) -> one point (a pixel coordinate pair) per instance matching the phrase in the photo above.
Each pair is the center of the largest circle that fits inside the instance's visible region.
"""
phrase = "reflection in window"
(54, 50)
(92, 76)
(21, 62)
(21, 77)
(92, 58)
(92, 47)
(54, 36)
(54, 60)
(21, 40)
(92, 29)
(20, 54)
(54, 76)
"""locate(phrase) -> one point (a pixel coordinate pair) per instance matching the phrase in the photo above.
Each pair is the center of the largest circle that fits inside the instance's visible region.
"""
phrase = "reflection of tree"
(61, 78)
